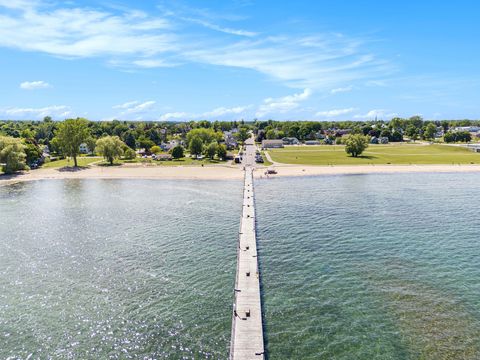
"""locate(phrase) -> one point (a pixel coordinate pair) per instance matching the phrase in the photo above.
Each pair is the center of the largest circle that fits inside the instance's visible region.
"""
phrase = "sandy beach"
(312, 170)
(223, 172)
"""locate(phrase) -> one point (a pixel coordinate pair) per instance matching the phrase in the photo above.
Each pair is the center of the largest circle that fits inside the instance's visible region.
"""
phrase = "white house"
(84, 148)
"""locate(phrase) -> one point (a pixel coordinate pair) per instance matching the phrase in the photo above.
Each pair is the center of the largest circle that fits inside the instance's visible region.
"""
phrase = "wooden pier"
(247, 329)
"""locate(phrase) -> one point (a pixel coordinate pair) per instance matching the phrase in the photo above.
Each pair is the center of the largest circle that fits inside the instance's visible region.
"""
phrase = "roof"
(272, 142)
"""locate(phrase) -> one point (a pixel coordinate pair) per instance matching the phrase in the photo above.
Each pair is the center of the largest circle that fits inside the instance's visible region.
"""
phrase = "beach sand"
(219, 172)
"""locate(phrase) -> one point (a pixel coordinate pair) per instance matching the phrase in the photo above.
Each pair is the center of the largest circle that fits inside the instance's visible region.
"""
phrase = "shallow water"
(371, 266)
(117, 269)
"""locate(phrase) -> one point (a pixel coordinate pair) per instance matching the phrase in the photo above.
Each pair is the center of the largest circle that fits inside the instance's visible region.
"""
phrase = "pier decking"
(247, 329)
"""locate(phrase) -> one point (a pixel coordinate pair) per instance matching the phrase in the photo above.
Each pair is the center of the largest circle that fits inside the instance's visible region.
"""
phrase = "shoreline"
(224, 172)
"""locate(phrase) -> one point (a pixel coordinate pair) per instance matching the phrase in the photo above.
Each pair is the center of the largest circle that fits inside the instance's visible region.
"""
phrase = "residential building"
(83, 148)
(290, 141)
(272, 144)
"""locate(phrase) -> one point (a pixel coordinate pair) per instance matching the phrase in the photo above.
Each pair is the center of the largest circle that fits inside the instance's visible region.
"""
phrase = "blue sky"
(226, 60)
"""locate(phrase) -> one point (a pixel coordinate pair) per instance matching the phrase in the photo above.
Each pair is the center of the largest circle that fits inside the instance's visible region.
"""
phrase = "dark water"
(371, 267)
(117, 269)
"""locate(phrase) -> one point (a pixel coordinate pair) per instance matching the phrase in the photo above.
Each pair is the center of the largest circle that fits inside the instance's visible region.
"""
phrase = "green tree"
(206, 135)
(242, 135)
(91, 143)
(429, 132)
(130, 140)
(177, 152)
(271, 134)
(12, 154)
(412, 132)
(33, 152)
(355, 144)
(155, 149)
(222, 151)
(145, 143)
(211, 150)
(195, 146)
(110, 147)
(70, 134)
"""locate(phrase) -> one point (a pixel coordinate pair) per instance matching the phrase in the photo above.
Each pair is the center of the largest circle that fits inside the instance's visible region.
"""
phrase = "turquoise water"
(353, 267)
(117, 269)
(371, 266)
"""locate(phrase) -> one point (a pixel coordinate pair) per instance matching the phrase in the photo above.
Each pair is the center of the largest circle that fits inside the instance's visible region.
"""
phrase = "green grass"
(82, 161)
(399, 154)
(265, 160)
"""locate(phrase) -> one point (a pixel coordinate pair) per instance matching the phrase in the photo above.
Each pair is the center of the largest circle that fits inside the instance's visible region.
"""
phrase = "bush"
(155, 149)
(129, 154)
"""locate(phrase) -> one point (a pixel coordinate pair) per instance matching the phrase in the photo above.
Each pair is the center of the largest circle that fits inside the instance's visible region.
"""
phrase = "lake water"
(124, 269)
(353, 267)
(371, 267)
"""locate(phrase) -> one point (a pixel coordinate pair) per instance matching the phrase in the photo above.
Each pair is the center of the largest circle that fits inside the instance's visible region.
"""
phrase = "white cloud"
(55, 111)
(283, 104)
(174, 116)
(320, 62)
(133, 107)
(341, 89)
(222, 111)
(377, 113)
(33, 85)
(142, 107)
(334, 113)
(134, 38)
(214, 114)
(83, 32)
(126, 105)
(226, 30)
(153, 63)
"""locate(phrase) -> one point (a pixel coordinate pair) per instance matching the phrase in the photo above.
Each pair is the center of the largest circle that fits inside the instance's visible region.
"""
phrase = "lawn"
(82, 161)
(265, 160)
(399, 154)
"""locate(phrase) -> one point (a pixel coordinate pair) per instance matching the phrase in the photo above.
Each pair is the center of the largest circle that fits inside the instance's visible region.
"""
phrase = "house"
(312, 142)
(272, 144)
(83, 148)
(474, 147)
(230, 141)
(470, 129)
(290, 141)
(162, 157)
(170, 145)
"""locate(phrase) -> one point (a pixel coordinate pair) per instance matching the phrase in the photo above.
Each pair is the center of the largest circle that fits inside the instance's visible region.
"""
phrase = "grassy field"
(399, 154)
(82, 161)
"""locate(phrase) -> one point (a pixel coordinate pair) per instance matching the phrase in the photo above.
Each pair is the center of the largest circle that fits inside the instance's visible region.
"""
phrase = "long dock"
(247, 329)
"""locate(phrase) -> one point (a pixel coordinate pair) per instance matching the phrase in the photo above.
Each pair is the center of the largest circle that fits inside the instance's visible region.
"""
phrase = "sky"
(239, 59)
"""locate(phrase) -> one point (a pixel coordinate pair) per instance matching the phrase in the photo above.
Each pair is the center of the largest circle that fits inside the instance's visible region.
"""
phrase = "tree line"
(21, 142)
